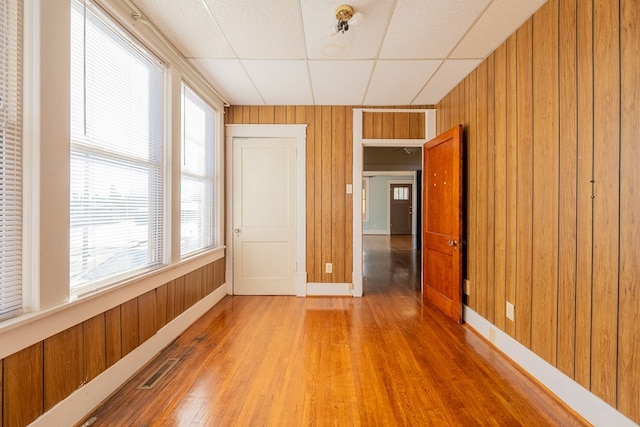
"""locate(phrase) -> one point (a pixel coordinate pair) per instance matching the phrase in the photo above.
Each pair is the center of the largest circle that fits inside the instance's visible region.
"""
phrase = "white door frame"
(358, 145)
(271, 131)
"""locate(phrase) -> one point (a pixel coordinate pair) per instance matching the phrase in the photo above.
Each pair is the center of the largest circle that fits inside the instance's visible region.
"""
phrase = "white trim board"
(83, 401)
(272, 131)
(578, 398)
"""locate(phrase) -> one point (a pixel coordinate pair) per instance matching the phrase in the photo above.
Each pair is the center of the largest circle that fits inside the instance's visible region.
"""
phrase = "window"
(197, 182)
(400, 193)
(10, 158)
(117, 153)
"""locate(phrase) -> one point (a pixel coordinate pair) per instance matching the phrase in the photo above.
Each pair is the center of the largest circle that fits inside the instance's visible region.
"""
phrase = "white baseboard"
(329, 289)
(588, 405)
(84, 400)
(364, 232)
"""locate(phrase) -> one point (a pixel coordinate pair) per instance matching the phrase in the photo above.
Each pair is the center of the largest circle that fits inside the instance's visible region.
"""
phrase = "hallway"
(384, 359)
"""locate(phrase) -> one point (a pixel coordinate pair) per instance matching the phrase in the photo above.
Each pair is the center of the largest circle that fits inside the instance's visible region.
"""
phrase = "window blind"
(10, 158)
(117, 153)
(197, 181)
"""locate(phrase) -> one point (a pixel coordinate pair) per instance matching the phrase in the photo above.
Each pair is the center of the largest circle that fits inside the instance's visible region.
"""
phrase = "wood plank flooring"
(385, 359)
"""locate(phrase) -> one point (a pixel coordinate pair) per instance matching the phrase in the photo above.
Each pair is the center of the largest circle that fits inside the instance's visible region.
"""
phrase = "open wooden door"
(442, 223)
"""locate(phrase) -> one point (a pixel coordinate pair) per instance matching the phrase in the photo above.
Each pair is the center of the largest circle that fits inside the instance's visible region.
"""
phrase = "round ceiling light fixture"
(346, 17)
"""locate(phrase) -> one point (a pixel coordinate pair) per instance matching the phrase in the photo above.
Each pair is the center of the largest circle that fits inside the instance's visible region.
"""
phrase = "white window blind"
(117, 154)
(197, 183)
(10, 158)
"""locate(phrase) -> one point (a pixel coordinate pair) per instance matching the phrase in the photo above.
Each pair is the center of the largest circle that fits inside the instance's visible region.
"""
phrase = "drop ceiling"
(279, 52)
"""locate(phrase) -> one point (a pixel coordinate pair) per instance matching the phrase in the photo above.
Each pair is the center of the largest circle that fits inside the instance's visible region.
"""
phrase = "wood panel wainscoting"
(385, 359)
(38, 377)
(553, 207)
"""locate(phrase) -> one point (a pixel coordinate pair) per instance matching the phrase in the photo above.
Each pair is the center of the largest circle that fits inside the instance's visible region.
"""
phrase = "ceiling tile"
(230, 79)
(428, 28)
(189, 26)
(498, 22)
(446, 78)
(360, 42)
(261, 29)
(398, 82)
(281, 82)
(339, 82)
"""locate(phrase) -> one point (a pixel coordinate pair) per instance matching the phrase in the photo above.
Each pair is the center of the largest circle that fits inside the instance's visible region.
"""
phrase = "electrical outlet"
(510, 311)
(466, 286)
(328, 268)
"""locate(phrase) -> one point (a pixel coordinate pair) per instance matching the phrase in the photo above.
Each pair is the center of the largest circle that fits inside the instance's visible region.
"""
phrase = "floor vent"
(158, 374)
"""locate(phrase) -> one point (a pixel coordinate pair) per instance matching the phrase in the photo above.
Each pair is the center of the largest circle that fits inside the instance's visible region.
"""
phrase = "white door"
(264, 216)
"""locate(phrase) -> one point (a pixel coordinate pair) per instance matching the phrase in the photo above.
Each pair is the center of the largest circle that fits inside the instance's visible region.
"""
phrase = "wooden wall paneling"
(129, 324)
(161, 305)
(348, 166)
(367, 125)
(113, 335)
(179, 297)
(455, 103)
(511, 177)
(416, 125)
(481, 191)
(204, 281)
(318, 275)
(291, 114)
(326, 204)
(568, 171)
(401, 125)
(472, 189)
(500, 184)
(209, 280)
(524, 81)
(219, 272)
(628, 330)
(95, 350)
(266, 114)
(584, 246)
(376, 131)
(280, 114)
(491, 189)
(63, 357)
(254, 115)
(606, 167)
(311, 174)
(1, 390)
(23, 386)
(171, 300)
(387, 125)
(544, 296)
(147, 316)
(338, 193)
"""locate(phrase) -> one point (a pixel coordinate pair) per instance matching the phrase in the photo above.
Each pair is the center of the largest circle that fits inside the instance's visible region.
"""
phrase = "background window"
(117, 154)
(10, 158)
(197, 182)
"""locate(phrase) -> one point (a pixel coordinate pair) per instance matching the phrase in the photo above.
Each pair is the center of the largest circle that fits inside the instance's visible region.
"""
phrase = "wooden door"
(442, 223)
(401, 208)
(264, 216)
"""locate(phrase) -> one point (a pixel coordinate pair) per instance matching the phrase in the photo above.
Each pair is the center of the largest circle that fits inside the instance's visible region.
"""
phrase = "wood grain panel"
(63, 357)
(606, 170)
(338, 193)
(280, 114)
(473, 246)
(179, 296)
(23, 386)
(481, 191)
(511, 177)
(416, 125)
(387, 120)
(628, 330)
(400, 125)
(524, 81)
(367, 125)
(191, 288)
(95, 352)
(161, 306)
(312, 180)
(500, 186)
(317, 275)
(567, 203)
(266, 114)
(147, 316)
(348, 166)
(113, 335)
(584, 244)
(544, 297)
(209, 278)
(171, 300)
(326, 204)
(130, 326)
(1, 390)
(219, 273)
(491, 190)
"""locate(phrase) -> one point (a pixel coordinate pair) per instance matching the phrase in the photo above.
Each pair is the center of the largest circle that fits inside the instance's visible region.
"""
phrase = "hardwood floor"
(384, 359)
